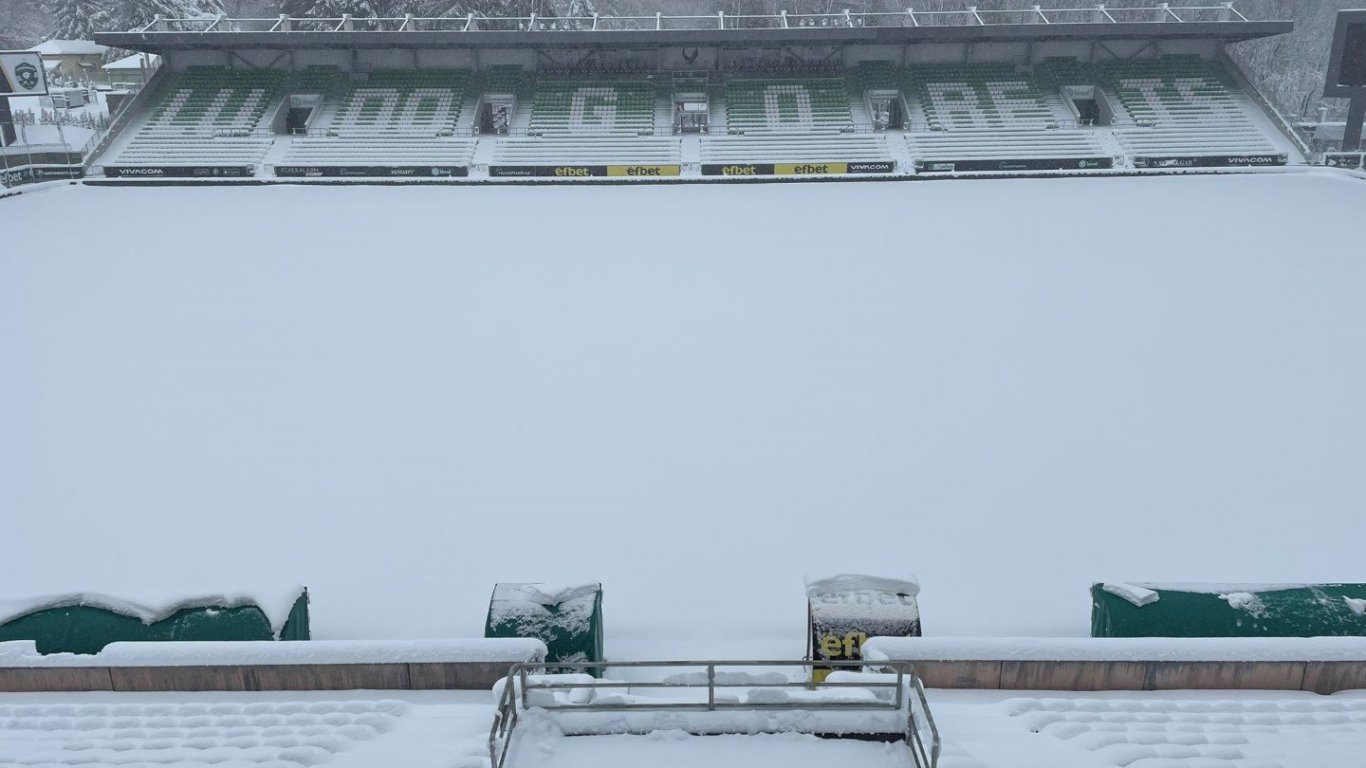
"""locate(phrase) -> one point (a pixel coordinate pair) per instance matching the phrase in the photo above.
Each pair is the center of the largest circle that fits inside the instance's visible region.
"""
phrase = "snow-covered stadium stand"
(786, 148)
(1061, 90)
(977, 97)
(796, 105)
(205, 116)
(400, 103)
(378, 151)
(593, 108)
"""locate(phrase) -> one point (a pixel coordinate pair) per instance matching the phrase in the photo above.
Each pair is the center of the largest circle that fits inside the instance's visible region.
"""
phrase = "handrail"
(1163, 13)
(519, 684)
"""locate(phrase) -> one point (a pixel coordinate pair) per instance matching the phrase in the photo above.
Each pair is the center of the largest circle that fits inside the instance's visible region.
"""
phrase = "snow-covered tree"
(331, 9)
(73, 19)
(120, 15)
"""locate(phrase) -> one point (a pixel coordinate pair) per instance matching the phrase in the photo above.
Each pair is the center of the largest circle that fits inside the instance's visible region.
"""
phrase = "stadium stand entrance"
(873, 94)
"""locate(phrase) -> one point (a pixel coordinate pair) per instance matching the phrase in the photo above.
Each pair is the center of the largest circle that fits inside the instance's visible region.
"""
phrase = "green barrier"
(1231, 610)
(85, 628)
(567, 620)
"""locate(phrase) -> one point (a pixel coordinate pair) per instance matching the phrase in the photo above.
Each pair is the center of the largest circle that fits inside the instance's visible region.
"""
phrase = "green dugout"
(1228, 610)
(86, 622)
(567, 619)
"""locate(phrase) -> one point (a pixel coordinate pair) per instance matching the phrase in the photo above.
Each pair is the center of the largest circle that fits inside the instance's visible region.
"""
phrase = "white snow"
(1135, 594)
(693, 394)
(69, 48)
(530, 606)
(133, 63)
(271, 730)
(152, 606)
(407, 729)
(1115, 649)
(1357, 605)
(1245, 601)
(853, 582)
(23, 653)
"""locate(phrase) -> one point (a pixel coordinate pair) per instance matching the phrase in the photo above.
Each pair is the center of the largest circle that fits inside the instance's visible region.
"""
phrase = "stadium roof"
(1098, 23)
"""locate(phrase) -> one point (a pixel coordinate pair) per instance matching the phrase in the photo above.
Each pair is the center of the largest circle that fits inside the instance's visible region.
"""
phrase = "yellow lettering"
(830, 646)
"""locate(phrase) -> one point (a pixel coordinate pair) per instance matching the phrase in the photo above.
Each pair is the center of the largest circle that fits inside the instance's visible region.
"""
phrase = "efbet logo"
(27, 75)
(833, 646)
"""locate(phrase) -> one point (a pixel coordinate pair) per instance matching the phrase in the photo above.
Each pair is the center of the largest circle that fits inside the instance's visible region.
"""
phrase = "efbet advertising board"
(844, 611)
(796, 169)
(22, 74)
(583, 171)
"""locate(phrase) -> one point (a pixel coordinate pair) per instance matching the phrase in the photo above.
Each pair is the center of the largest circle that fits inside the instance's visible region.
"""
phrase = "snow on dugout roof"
(153, 606)
(529, 606)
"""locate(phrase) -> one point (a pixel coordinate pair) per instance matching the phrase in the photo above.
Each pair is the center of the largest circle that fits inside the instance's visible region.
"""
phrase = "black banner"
(1021, 164)
(553, 171)
(178, 171)
(405, 171)
(1351, 160)
(26, 174)
(738, 169)
(886, 166)
(1208, 161)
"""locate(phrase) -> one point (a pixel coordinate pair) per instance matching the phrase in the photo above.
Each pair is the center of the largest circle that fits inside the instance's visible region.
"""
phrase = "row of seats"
(593, 107)
(423, 102)
(975, 96)
(995, 144)
(207, 101)
(308, 150)
(194, 151)
(780, 148)
(788, 104)
(588, 151)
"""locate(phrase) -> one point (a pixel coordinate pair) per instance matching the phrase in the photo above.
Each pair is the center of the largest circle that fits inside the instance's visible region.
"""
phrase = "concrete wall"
(280, 677)
(1314, 676)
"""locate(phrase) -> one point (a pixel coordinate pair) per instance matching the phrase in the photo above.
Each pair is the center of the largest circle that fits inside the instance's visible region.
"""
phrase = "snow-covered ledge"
(1233, 649)
(474, 664)
(23, 653)
(1318, 664)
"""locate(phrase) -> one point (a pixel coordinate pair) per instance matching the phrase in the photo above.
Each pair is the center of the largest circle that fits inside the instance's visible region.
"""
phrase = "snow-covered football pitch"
(693, 394)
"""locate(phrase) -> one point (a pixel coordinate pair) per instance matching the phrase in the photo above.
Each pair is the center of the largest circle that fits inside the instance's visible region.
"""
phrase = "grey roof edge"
(156, 42)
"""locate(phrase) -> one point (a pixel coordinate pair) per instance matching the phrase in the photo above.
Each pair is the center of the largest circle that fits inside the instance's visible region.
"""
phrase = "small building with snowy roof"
(80, 59)
(131, 69)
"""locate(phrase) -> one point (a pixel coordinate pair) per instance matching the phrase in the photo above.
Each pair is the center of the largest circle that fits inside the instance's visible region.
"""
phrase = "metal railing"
(972, 16)
(901, 690)
(24, 163)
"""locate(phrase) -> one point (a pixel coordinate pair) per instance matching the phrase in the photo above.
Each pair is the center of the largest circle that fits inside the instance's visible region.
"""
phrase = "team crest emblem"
(27, 75)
